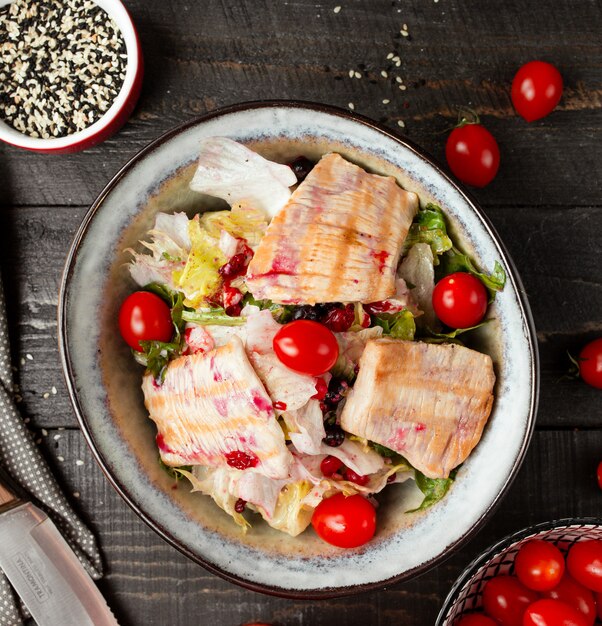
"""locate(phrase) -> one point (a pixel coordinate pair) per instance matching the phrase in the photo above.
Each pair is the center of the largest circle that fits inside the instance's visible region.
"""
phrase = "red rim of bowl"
(513, 278)
(111, 121)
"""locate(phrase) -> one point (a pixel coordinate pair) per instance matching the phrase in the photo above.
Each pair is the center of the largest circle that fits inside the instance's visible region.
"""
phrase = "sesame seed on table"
(408, 65)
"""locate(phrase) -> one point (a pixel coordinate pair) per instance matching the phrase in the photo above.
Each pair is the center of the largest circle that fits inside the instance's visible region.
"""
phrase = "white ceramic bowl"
(466, 594)
(104, 382)
(119, 111)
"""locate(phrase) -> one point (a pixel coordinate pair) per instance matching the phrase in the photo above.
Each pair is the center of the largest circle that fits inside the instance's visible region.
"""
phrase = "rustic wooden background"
(546, 203)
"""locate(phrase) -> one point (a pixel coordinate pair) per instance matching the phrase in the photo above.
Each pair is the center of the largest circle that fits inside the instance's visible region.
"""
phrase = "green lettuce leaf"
(433, 489)
(429, 227)
(455, 261)
(452, 334)
(174, 472)
(156, 355)
(215, 316)
(397, 325)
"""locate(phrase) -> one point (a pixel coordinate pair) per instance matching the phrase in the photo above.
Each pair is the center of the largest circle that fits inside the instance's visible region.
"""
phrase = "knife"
(42, 567)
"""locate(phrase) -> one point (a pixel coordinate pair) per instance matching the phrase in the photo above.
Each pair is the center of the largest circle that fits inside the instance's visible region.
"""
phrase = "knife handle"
(8, 499)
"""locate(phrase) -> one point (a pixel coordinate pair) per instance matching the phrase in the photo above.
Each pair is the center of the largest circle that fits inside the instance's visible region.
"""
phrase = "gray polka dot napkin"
(21, 458)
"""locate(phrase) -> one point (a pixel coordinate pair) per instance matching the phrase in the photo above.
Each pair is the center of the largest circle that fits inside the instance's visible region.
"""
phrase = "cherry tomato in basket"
(590, 363)
(539, 565)
(599, 605)
(476, 619)
(460, 300)
(584, 563)
(144, 317)
(306, 346)
(472, 154)
(536, 90)
(505, 599)
(345, 522)
(552, 613)
(572, 593)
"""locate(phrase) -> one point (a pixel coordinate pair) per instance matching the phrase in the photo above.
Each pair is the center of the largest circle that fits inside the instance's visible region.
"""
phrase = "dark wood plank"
(556, 251)
(204, 55)
(148, 582)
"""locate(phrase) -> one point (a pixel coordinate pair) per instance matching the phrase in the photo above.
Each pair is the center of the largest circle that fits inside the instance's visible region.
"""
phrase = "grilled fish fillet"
(428, 402)
(338, 239)
(212, 409)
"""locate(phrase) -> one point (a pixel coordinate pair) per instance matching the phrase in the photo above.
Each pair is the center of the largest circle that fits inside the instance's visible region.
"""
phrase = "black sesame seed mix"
(62, 64)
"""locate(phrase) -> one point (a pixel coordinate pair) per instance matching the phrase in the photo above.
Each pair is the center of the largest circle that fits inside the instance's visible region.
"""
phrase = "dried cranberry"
(374, 308)
(234, 267)
(334, 436)
(340, 320)
(240, 505)
(306, 312)
(356, 478)
(301, 166)
(234, 310)
(330, 465)
(321, 389)
(391, 479)
(337, 390)
(241, 460)
(280, 406)
(230, 296)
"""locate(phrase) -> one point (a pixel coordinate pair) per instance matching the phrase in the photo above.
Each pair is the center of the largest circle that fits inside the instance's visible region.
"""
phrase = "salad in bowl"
(303, 349)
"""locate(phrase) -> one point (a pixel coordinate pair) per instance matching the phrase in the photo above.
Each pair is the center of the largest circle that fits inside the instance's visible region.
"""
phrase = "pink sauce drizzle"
(381, 257)
(261, 403)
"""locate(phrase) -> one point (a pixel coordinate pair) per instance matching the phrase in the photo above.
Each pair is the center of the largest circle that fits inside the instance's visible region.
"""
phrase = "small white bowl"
(118, 113)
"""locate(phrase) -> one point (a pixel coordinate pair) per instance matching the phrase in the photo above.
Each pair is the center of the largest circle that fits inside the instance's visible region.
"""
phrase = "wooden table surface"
(546, 203)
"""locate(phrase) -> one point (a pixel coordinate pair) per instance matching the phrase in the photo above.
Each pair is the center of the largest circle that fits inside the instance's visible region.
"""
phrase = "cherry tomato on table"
(144, 317)
(476, 619)
(472, 154)
(572, 593)
(460, 300)
(590, 363)
(539, 565)
(552, 613)
(306, 346)
(536, 90)
(584, 563)
(345, 522)
(505, 599)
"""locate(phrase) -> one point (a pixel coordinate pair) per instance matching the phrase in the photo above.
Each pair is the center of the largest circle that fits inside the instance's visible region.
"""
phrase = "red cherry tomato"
(307, 347)
(552, 613)
(539, 565)
(590, 363)
(476, 619)
(585, 563)
(460, 300)
(599, 604)
(144, 317)
(505, 599)
(472, 154)
(345, 522)
(536, 90)
(575, 595)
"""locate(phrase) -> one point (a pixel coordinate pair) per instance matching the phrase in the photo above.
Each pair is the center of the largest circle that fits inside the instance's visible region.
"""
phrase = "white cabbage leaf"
(169, 246)
(231, 171)
(306, 427)
(417, 270)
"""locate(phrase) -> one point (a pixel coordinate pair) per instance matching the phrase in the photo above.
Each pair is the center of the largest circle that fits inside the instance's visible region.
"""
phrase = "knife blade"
(44, 570)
